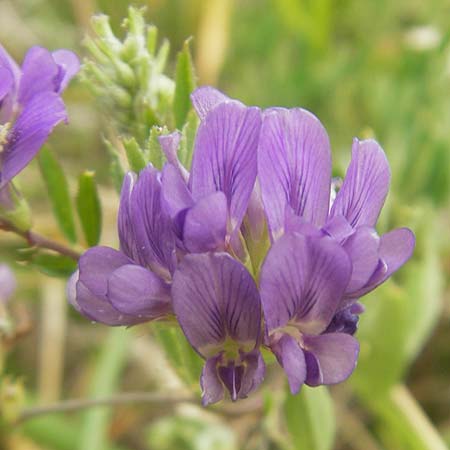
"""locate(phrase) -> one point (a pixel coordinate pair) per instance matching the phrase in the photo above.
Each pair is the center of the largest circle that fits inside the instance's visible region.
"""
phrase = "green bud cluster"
(127, 76)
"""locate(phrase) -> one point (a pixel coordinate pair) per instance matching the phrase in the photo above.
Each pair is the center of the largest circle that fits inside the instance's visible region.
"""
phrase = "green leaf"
(184, 85)
(58, 191)
(108, 368)
(310, 419)
(116, 170)
(134, 154)
(180, 354)
(89, 209)
(53, 265)
(188, 139)
(153, 151)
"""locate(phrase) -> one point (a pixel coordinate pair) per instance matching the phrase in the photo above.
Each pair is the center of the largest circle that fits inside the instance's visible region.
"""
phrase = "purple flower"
(218, 307)
(302, 283)
(30, 104)
(209, 204)
(7, 283)
(294, 168)
(131, 285)
(258, 193)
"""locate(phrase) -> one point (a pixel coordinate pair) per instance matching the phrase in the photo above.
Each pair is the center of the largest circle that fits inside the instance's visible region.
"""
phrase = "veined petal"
(169, 144)
(292, 359)
(212, 387)
(302, 282)
(127, 238)
(294, 167)
(95, 267)
(338, 228)
(205, 98)
(152, 225)
(225, 157)
(253, 374)
(363, 249)
(9, 63)
(6, 82)
(174, 191)
(336, 355)
(39, 74)
(136, 291)
(32, 128)
(68, 66)
(215, 298)
(396, 247)
(205, 224)
(365, 186)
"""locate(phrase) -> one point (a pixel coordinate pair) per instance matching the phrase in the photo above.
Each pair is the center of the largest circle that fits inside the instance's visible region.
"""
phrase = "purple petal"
(346, 320)
(68, 66)
(95, 267)
(255, 221)
(6, 82)
(71, 291)
(338, 228)
(294, 167)
(214, 297)
(365, 186)
(363, 249)
(169, 144)
(174, 191)
(97, 264)
(32, 128)
(292, 358)
(396, 247)
(205, 225)
(136, 291)
(212, 387)
(205, 99)
(128, 244)
(225, 156)
(39, 74)
(8, 283)
(302, 281)
(9, 63)
(253, 376)
(152, 225)
(296, 224)
(336, 355)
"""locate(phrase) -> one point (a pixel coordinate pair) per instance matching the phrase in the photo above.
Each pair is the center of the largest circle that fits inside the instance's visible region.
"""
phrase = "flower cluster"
(247, 249)
(30, 107)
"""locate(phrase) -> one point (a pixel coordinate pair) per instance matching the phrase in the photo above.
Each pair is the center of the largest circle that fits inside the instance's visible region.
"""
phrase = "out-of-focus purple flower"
(294, 168)
(7, 283)
(218, 306)
(30, 104)
(302, 283)
(131, 285)
(209, 204)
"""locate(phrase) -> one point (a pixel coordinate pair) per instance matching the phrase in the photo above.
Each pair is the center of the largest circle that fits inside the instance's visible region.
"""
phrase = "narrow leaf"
(53, 265)
(58, 191)
(184, 85)
(135, 155)
(188, 138)
(89, 209)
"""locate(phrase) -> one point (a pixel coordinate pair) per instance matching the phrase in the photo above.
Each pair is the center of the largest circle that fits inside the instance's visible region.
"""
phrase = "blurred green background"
(365, 68)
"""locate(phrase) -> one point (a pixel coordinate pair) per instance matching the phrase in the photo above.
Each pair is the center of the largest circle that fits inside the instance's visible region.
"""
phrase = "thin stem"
(37, 240)
(114, 400)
